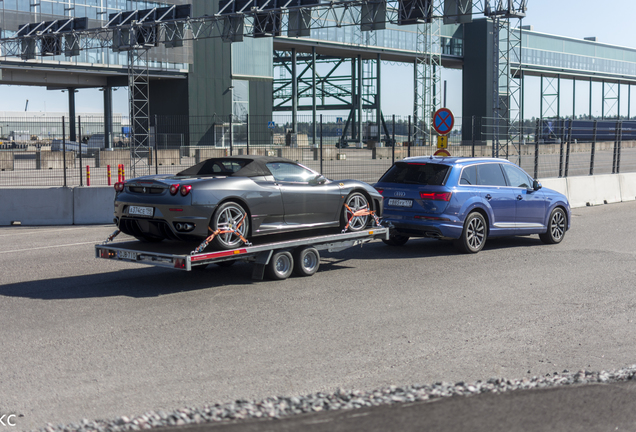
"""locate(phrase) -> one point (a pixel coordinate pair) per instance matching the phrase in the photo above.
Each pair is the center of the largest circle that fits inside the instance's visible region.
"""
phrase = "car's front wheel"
(355, 201)
(233, 222)
(474, 234)
(556, 227)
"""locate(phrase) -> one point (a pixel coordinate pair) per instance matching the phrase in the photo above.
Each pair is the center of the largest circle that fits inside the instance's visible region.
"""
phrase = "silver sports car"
(240, 197)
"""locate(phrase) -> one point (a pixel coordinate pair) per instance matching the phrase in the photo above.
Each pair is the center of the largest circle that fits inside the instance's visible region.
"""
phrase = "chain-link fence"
(44, 152)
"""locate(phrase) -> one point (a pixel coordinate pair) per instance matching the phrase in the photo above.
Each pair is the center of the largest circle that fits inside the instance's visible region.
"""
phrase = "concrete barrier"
(593, 190)
(165, 157)
(112, 158)
(387, 153)
(93, 205)
(54, 159)
(6, 161)
(627, 184)
(202, 154)
(558, 184)
(42, 206)
(327, 153)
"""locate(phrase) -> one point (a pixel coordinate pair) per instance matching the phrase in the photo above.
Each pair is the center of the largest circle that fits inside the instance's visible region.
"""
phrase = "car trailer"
(278, 259)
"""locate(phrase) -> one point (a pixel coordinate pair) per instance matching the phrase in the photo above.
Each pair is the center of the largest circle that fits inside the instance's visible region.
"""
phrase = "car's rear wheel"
(396, 240)
(231, 217)
(280, 265)
(355, 201)
(474, 235)
(306, 261)
(556, 227)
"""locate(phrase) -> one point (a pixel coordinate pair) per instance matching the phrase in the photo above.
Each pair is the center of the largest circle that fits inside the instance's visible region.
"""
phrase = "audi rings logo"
(8, 420)
(400, 194)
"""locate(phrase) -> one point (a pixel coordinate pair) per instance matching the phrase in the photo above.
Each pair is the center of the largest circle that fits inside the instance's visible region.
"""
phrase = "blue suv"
(469, 200)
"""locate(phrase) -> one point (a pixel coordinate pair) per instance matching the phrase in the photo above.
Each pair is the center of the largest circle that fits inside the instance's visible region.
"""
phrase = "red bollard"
(119, 173)
(123, 173)
(108, 173)
(88, 175)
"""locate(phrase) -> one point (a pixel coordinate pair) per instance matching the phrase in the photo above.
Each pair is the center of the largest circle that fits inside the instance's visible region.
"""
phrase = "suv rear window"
(419, 173)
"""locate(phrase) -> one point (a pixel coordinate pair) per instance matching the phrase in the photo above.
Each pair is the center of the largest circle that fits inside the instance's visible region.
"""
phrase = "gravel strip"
(277, 407)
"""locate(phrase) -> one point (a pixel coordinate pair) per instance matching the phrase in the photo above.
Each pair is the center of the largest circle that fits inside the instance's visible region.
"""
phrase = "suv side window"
(490, 174)
(469, 176)
(516, 177)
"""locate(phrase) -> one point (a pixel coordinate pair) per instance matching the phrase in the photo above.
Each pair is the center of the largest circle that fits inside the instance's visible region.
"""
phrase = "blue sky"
(611, 22)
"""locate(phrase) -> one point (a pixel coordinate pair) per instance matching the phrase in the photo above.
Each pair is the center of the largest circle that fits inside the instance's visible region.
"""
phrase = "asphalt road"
(89, 338)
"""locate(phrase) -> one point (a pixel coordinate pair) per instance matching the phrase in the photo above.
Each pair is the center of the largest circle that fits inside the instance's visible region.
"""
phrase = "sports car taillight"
(436, 196)
(174, 189)
(185, 189)
(119, 187)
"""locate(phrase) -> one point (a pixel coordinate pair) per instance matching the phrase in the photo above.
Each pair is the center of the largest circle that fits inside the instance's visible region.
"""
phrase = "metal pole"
(536, 148)
(294, 90)
(620, 140)
(590, 100)
(615, 152)
(593, 148)
(64, 148)
(231, 137)
(393, 142)
(360, 100)
(79, 125)
(320, 144)
(156, 150)
(603, 101)
(378, 100)
(313, 95)
(472, 128)
(561, 147)
(410, 142)
(567, 152)
(247, 132)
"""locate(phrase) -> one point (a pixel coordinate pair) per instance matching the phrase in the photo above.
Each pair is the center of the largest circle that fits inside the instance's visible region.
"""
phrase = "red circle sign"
(442, 153)
(443, 121)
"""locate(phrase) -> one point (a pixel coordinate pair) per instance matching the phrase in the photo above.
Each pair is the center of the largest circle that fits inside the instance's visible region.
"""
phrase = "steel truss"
(261, 20)
(139, 103)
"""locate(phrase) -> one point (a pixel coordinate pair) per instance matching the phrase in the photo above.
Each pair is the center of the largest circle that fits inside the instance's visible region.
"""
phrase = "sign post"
(443, 122)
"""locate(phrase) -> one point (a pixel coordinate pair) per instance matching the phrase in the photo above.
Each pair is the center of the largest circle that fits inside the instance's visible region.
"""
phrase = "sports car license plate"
(127, 255)
(142, 211)
(400, 203)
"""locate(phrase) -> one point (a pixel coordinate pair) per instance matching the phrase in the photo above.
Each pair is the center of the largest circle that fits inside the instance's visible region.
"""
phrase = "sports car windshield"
(430, 174)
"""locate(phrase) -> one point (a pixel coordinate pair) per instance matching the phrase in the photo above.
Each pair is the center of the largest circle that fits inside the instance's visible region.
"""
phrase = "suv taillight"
(436, 196)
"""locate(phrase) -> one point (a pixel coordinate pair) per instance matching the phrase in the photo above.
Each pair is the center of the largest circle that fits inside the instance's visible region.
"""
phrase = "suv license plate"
(142, 211)
(400, 203)
(127, 255)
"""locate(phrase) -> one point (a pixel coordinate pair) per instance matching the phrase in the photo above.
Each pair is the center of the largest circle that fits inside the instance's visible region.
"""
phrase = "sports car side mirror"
(318, 180)
(536, 185)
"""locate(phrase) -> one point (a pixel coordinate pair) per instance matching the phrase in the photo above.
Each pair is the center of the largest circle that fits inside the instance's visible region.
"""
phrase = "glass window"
(469, 176)
(416, 173)
(288, 172)
(490, 175)
(516, 177)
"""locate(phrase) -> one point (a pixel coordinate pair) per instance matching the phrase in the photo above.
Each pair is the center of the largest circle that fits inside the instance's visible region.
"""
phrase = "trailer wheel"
(280, 266)
(306, 261)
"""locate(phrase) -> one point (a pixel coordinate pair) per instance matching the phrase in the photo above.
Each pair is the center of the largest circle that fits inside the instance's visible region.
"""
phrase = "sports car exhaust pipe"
(179, 226)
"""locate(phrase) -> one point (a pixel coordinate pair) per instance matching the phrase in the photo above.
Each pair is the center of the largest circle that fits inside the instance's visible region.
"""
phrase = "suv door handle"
(488, 197)
(519, 197)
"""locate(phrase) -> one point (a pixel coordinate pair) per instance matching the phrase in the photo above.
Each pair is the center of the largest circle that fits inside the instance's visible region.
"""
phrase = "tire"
(396, 240)
(227, 215)
(280, 266)
(556, 227)
(474, 234)
(306, 261)
(356, 201)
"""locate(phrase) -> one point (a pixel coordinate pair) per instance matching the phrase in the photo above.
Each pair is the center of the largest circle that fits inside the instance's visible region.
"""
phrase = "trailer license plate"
(142, 211)
(127, 255)
(400, 202)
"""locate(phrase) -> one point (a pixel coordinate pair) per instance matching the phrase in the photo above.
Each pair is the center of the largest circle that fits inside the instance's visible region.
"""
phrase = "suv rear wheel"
(474, 235)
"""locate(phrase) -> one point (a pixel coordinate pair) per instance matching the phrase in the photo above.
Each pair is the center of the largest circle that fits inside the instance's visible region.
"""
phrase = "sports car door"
(305, 203)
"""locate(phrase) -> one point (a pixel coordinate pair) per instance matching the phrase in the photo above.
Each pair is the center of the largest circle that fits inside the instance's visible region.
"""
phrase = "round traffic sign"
(443, 121)
(442, 153)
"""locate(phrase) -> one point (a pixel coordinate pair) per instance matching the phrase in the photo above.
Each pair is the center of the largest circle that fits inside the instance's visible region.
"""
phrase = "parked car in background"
(468, 200)
(248, 195)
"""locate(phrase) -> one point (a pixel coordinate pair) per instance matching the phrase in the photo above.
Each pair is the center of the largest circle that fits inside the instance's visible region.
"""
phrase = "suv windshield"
(419, 173)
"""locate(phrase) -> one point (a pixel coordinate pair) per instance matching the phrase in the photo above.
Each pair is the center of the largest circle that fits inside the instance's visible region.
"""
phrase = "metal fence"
(32, 150)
